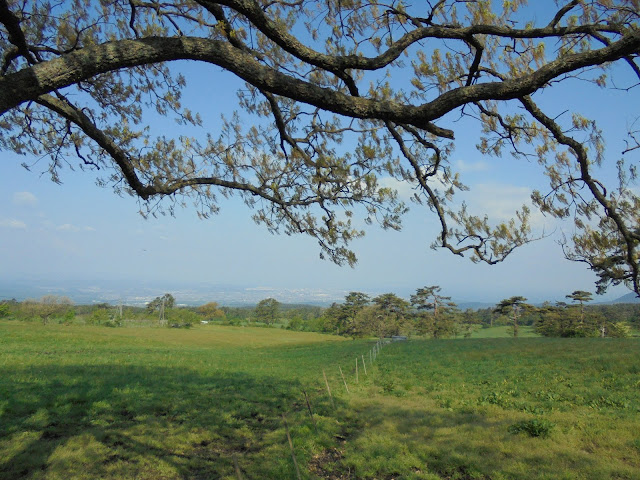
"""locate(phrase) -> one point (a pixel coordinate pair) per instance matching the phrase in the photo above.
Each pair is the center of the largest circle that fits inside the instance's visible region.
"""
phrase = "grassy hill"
(211, 402)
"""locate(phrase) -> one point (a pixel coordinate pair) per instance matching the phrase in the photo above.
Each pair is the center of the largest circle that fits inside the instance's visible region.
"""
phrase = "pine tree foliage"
(335, 98)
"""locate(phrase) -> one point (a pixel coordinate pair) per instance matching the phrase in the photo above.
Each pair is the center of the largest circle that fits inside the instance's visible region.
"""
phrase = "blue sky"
(78, 232)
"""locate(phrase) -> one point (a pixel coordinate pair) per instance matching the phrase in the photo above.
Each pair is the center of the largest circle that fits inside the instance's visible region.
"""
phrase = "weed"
(534, 428)
(388, 385)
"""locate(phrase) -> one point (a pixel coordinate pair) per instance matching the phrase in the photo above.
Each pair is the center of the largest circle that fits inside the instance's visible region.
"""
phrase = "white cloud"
(406, 189)
(68, 227)
(12, 223)
(466, 167)
(500, 202)
(25, 199)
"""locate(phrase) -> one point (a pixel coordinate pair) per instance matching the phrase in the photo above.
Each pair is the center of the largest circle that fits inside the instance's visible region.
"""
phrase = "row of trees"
(162, 310)
(44, 309)
(430, 313)
(563, 319)
(60, 309)
(427, 313)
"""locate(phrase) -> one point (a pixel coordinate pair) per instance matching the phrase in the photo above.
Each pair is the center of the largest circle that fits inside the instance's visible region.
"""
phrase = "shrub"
(180, 325)
(296, 323)
(533, 428)
(99, 316)
(619, 330)
(68, 317)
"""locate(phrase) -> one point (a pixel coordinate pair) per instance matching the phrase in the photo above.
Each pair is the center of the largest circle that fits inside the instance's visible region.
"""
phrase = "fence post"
(306, 397)
(343, 380)
(237, 468)
(293, 455)
(328, 389)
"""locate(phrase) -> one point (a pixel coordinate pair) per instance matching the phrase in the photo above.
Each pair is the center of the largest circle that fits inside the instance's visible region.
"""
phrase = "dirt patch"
(328, 465)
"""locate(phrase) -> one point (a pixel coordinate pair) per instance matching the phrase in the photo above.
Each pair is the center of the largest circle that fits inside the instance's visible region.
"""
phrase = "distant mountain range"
(630, 297)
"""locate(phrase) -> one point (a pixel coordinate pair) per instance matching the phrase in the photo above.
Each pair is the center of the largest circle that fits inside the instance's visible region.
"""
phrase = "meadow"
(217, 402)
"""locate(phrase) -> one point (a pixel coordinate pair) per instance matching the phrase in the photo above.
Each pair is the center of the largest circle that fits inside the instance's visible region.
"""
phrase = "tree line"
(427, 313)
(162, 311)
(431, 314)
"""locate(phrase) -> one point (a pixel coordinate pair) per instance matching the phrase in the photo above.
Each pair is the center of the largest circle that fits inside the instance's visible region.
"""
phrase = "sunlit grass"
(504, 331)
(95, 402)
(448, 407)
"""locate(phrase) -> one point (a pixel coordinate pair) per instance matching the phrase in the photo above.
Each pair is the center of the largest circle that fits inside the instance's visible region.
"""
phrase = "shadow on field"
(456, 444)
(144, 422)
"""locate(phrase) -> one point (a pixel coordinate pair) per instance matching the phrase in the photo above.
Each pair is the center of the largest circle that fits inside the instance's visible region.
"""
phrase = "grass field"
(151, 403)
(504, 331)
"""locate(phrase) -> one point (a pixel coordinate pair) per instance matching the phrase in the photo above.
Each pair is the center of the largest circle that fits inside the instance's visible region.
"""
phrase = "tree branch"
(630, 238)
(80, 65)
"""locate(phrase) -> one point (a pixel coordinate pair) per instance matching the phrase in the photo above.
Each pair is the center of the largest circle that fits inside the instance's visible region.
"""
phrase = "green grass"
(504, 331)
(450, 408)
(93, 402)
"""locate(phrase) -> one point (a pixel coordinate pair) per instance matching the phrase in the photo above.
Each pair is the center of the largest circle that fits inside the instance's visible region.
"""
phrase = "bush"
(99, 316)
(296, 323)
(232, 322)
(68, 317)
(533, 428)
(619, 330)
(182, 318)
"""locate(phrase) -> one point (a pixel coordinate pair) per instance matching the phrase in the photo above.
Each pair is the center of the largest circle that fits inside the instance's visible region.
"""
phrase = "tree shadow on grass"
(398, 441)
(145, 422)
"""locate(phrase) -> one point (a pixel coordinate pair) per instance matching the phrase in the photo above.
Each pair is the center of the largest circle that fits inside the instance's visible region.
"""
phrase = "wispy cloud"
(500, 202)
(467, 167)
(496, 200)
(25, 199)
(12, 223)
(68, 227)
(405, 189)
